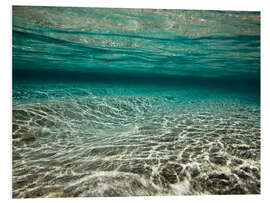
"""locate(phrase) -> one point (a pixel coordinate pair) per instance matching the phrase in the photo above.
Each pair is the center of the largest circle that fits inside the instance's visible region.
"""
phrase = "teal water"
(128, 102)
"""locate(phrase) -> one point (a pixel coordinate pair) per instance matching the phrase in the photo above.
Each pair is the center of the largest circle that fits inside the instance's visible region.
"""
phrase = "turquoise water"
(128, 102)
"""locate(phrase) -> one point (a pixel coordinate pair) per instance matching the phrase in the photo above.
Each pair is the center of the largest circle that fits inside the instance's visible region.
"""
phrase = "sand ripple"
(122, 146)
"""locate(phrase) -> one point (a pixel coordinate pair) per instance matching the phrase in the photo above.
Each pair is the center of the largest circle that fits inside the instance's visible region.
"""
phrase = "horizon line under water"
(128, 102)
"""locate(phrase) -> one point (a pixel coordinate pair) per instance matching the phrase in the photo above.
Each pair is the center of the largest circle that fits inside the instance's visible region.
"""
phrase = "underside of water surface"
(135, 102)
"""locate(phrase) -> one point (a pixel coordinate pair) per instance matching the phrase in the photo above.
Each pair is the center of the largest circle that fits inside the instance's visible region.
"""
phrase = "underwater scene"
(134, 102)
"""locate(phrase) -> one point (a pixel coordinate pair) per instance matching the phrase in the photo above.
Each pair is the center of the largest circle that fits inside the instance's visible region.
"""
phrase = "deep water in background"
(119, 102)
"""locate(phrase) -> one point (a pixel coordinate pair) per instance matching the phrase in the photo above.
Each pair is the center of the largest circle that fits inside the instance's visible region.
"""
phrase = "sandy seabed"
(135, 146)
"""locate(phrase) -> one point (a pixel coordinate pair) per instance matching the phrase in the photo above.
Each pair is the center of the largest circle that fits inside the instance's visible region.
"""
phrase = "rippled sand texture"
(130, 146)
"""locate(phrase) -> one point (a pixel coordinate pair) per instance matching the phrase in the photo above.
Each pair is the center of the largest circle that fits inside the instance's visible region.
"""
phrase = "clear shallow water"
(120, 102)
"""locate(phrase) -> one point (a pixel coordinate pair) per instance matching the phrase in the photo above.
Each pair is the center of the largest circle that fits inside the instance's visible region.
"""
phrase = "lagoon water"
(135, 102)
